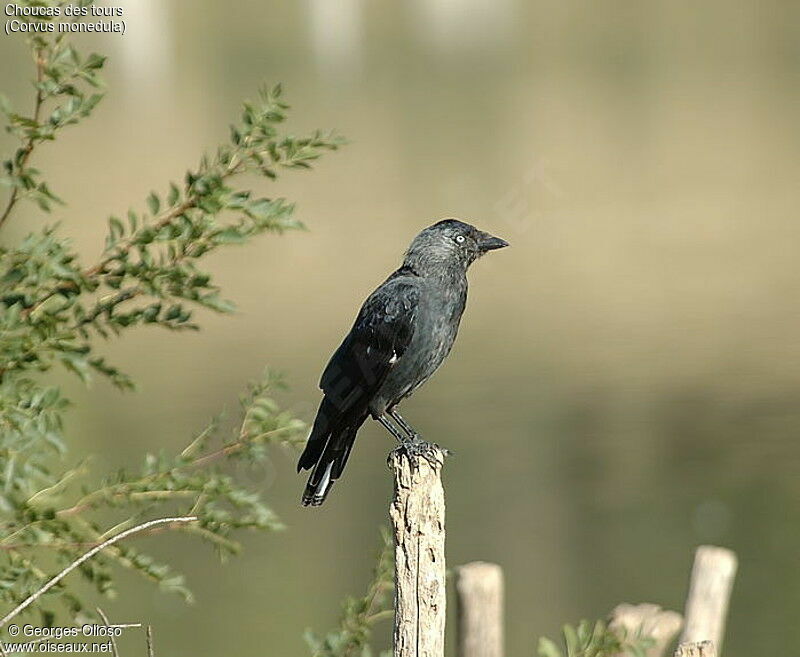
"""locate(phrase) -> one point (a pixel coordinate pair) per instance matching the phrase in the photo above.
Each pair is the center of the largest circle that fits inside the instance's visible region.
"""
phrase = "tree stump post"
(417, 515)
(479, 586)
(702, 649)
(648, 620)
(709, 593)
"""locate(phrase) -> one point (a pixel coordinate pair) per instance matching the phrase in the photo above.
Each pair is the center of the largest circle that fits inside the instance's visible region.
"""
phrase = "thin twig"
(150, 651)
(53, 546)
(122, 489)
(164, 219)
(60, 484)
(60, 545)
(379, 616)
(126, 244)
(114, 539)
(29, 145)
(241, 442)
(114, 650)
(87, 501)
(129, 522)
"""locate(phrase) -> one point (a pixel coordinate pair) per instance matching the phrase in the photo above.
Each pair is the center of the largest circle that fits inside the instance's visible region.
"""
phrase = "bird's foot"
(417, 448)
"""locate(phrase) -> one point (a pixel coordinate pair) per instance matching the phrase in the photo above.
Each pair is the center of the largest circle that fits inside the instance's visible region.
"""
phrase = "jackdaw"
(403, 332)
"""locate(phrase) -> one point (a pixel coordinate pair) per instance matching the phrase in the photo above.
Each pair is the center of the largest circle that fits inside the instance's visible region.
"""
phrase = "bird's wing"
(380, 335)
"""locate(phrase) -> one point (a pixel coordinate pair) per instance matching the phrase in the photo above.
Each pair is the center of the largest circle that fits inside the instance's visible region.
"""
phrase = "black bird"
(404, 331)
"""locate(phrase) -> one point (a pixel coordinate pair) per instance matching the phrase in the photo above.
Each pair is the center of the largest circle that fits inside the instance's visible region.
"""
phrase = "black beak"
(488, 242)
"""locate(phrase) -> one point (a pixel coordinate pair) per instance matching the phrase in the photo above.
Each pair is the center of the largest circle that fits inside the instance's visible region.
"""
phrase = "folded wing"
(379, 337)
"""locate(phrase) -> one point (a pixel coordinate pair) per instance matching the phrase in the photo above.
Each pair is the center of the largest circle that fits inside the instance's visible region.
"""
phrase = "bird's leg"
(405, 426)
(407, 443)
(414, 445)
(393, 430)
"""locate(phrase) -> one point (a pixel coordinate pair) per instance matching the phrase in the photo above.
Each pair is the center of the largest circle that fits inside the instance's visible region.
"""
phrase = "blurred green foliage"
(351, 637)
(56, 310)
(595, 640)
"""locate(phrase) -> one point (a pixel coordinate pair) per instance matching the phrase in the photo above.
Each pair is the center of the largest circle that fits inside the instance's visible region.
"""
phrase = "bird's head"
(449, 244)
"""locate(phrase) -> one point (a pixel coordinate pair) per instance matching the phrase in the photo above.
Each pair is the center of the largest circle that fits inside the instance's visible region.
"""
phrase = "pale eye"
(460, 239)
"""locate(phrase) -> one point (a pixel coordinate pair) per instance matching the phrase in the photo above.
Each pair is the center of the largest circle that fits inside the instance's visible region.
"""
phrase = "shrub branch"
(88, 555)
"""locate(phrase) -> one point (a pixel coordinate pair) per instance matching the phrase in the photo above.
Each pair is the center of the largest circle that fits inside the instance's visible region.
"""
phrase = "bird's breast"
(436, 326)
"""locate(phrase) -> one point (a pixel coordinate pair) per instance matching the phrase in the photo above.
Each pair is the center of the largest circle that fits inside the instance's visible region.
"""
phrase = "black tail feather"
(318, 438)
(327, 451)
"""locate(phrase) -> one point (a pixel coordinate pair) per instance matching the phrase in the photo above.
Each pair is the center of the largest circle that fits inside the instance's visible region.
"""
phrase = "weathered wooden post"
(650, 620)
(417, 514)
(709, 593)
(702, 649)
(479, 586)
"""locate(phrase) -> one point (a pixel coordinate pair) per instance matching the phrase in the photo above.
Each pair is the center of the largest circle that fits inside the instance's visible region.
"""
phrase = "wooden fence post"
(479, 586)
(702, 649)
(709, 593)
(648, 620)
(417, 514)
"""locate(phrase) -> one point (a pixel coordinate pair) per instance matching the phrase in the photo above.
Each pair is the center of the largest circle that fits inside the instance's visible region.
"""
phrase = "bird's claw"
(416, 448)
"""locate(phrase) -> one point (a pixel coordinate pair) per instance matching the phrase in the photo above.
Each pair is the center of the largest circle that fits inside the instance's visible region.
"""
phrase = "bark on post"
(480, 610)
(709, 592)
(702, 649)
(417, 514)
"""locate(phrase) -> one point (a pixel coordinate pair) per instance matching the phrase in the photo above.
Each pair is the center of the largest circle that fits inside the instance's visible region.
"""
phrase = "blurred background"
(626, 382)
